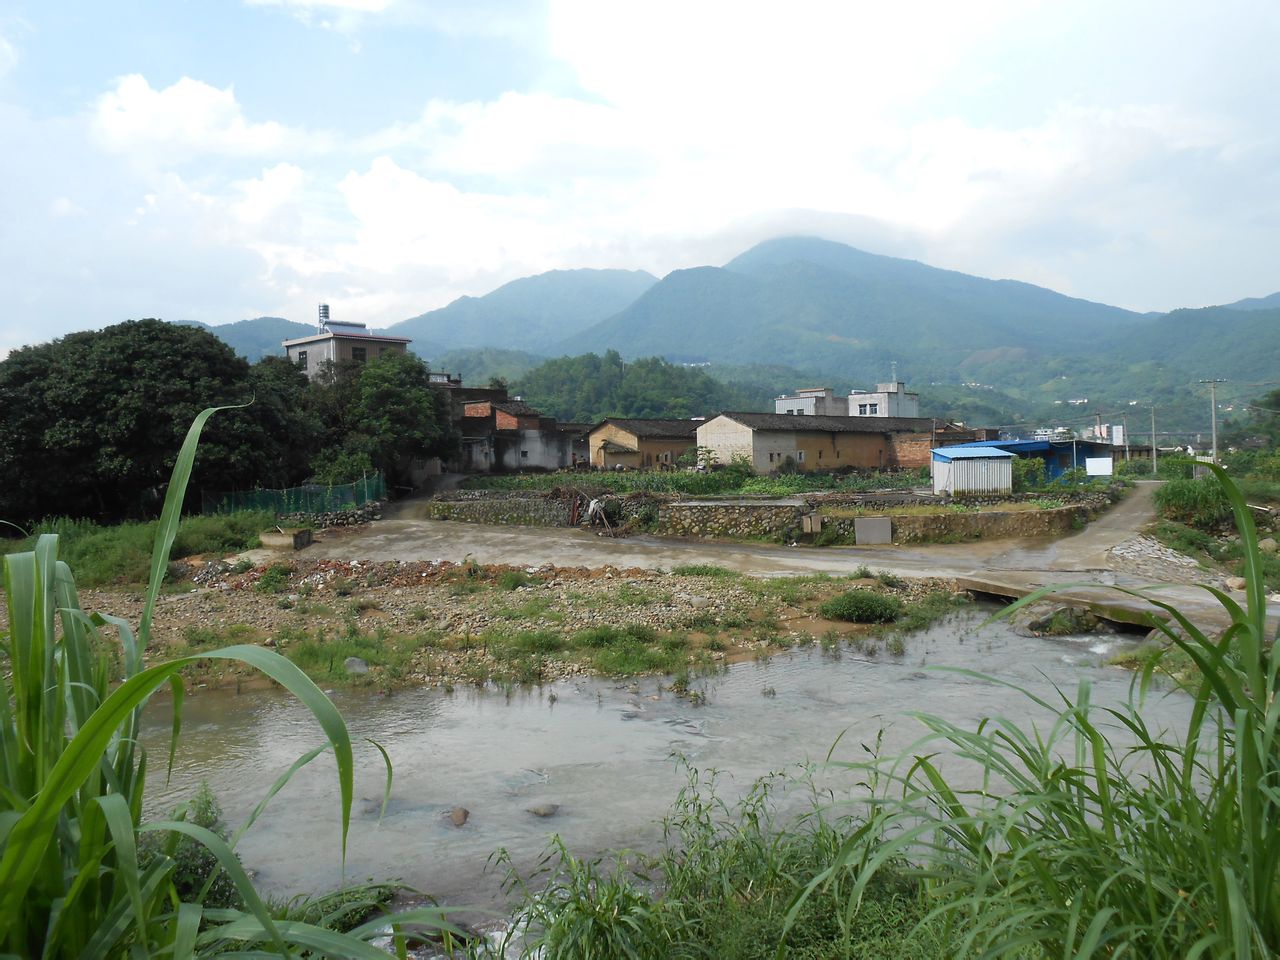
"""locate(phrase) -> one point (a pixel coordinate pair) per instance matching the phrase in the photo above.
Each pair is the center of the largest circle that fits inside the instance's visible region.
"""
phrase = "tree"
(383, 414)
(89, 423)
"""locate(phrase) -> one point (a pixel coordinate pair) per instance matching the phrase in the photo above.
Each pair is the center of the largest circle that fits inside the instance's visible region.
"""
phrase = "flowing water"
(601, 750)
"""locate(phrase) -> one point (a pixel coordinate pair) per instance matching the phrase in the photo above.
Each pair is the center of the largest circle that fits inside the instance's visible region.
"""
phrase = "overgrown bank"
(446, 623)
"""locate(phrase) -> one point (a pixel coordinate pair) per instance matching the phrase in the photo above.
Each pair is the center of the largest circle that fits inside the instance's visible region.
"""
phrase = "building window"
(819, 454)
(359, 354)
(862, 409)
(302, 360)
(875, 408)
(524, 454)
(800, 456)
(771, 458)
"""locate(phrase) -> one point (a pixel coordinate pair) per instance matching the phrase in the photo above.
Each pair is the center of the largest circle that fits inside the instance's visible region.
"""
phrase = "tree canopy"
(90, 423)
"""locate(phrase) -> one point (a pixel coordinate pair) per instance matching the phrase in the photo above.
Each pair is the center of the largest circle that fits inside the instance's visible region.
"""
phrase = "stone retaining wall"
(958, 527)
(531, 510)
(334, 518)
(729, 520)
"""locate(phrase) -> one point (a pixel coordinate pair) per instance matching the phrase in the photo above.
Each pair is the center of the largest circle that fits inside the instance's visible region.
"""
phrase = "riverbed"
(603, 751)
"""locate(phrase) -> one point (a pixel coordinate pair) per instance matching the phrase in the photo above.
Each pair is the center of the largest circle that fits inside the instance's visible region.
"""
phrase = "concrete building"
(887, 400)
(773, 441)
(339, 342)
(966, 469)
(812, 401)
(640, 444)
(510, 436)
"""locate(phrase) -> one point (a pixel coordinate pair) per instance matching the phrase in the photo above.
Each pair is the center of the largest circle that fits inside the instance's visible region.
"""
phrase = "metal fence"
(312, 498)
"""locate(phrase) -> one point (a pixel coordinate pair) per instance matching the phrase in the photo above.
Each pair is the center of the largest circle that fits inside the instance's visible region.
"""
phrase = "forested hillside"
(591, 386)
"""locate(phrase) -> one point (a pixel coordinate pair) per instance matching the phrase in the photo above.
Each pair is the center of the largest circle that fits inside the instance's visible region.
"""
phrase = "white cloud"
(8, 56)
(357, 6)
(185, 118)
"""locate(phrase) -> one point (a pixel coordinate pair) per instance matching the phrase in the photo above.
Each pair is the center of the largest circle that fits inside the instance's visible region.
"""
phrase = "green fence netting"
(312, 498)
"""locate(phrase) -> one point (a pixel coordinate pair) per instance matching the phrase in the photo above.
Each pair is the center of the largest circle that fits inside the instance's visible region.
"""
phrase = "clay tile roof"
(656, 429)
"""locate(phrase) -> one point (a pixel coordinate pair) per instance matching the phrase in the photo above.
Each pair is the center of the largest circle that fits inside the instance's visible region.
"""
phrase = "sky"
(216, 160)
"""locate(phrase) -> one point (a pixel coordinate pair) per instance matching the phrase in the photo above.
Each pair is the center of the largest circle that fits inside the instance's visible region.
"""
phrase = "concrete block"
(872, 530)
(290, 538)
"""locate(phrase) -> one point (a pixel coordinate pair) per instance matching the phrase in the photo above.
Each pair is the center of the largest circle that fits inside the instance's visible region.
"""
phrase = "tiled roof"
(655, 429)
(788, 422)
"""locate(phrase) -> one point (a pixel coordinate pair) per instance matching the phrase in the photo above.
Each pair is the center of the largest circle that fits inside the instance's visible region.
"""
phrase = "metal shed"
(965, 469)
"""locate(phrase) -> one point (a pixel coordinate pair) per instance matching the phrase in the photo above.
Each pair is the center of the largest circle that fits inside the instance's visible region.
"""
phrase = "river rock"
(545, 809)
(355, 666)
(1235, 583)
(1268, 545)
(1066, 621)
(459, 816)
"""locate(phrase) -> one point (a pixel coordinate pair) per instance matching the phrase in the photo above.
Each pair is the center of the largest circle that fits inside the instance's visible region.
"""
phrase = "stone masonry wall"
(730, 520)
(957, 527)
(529, 510)
(333, 518)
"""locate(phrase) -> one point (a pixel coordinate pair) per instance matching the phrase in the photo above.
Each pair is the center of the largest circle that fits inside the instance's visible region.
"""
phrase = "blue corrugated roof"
(962, 452)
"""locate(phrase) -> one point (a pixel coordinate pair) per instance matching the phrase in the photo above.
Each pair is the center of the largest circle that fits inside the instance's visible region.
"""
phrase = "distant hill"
(256, 338)
(825, 306)
(530, 313)
(476, 365)
(1212, 342)
(1271, 302)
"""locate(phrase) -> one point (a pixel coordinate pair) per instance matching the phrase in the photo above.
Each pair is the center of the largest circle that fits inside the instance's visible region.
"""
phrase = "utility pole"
(1213, 410)
(1154, 472)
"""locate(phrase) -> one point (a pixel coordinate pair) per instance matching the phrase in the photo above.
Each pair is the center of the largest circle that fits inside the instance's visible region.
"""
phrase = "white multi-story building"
(813, 402)
(887, 400)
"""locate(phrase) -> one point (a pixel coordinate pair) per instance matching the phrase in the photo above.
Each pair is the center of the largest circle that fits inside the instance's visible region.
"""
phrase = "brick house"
(772, 441)
(500, 434)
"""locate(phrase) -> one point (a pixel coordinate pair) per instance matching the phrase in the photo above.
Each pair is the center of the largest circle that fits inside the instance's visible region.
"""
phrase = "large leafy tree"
(380, 415)
(89, 423)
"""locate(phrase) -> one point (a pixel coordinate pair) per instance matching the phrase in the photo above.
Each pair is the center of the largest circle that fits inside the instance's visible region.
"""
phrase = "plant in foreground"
(1098, 836)
(72, 775)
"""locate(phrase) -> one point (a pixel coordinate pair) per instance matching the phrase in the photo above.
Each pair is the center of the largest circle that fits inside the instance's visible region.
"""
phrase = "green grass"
(862, 606)
(322, 655)
(1077, 843)
(121, 554)
(924, 613)
(705, 570)
(711, 483)
(721, 887)
(73, 777)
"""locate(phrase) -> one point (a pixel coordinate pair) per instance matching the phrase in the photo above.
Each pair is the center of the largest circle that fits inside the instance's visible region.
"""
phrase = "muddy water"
(601, 750)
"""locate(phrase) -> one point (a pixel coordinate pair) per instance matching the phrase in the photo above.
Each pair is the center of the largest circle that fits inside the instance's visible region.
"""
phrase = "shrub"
(1028, 473)
(274, 579)
(861, 606)
(512, 579)
(1200, 503)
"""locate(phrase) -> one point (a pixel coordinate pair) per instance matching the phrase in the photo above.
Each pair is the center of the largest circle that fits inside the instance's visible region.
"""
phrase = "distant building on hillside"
(339, 342)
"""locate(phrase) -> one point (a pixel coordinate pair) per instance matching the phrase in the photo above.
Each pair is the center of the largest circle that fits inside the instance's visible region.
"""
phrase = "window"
(862, 409)
(819, 454)
(771, 458)
(302, 360)
(800, 456)
(875, 408)
(524, 454)
(359, 354)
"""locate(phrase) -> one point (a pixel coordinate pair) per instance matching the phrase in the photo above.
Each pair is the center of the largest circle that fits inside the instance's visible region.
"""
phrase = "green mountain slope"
(256, 338)
(529, 313)
(1270, 302)
(826, 306)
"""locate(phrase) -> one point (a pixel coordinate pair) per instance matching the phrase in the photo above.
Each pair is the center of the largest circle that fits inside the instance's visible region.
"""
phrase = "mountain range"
(816, 309)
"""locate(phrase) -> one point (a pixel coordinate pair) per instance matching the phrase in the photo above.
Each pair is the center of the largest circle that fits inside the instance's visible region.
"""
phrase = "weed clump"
(862, 606)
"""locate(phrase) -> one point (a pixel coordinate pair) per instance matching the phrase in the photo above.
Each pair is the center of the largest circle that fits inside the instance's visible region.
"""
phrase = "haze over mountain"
(529, 313)
(257, 338)
(1270, 302)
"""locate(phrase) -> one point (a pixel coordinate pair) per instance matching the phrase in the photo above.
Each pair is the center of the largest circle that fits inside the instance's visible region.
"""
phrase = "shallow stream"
(601, 750)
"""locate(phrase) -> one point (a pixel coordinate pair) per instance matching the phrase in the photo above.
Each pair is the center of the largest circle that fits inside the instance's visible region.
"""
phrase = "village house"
(772, 441)
(339, 342)
(509, 435)
(887, 400)
(640, 444)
